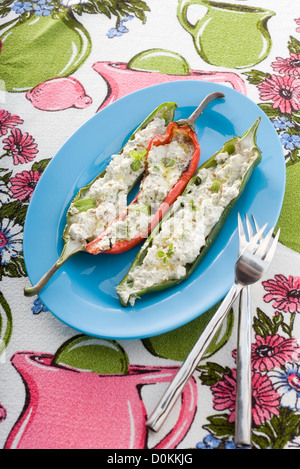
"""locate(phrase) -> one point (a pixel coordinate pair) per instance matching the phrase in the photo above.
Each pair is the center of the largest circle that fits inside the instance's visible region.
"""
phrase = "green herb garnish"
(137, 158)
(164, 255)
(192, 206)
(141, 208)
(215, 186)
(83, 205)
(168, 162)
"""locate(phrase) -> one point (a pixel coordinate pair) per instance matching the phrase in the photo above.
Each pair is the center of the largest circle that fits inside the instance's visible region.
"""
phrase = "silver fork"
(243, 411)
(250, 266)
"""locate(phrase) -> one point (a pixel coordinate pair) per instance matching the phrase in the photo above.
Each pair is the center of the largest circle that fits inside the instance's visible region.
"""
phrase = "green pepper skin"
(165, 111)
(251, 135)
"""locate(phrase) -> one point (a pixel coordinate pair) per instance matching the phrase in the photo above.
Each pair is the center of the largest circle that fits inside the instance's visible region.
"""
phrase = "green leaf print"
(278, 431)
(6, 323)
(255, 76)
(220, 427)
(294, 46)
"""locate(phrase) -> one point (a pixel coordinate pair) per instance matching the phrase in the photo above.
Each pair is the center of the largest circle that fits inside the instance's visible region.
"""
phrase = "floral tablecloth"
(60, 63)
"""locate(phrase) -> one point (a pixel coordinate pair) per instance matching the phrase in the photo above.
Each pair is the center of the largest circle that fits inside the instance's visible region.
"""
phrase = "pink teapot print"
(154, 67)
(67, 408)
(59, 94)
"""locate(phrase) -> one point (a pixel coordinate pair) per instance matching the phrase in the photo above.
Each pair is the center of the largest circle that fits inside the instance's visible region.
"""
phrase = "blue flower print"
(38, 307)
(21, 7)
(290, 142)
(210, 442)
(10, 240)
(288, 382)
(38, 7)
(120, 30)
(282, 123)
(42, 8)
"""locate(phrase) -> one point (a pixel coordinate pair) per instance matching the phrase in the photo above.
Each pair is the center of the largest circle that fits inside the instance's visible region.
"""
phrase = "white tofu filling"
(165, 166)
(108, 194)
(195, 214)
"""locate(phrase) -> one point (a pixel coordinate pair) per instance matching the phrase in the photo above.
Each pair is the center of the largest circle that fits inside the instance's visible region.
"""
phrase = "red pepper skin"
(175, 192)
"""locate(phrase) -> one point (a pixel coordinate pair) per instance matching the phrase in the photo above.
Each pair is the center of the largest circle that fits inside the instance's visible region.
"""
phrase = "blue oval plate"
(82, 293)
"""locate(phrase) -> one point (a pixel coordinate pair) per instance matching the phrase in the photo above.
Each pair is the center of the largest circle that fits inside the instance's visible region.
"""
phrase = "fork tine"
(242, 236)
(254, 240)
(255, 223)
(272, 249)
(249, 227)
(262, 249)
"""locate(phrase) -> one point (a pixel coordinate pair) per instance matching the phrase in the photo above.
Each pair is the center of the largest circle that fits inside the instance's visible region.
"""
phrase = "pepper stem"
(34, 290)
(194, 116)
(67, 252)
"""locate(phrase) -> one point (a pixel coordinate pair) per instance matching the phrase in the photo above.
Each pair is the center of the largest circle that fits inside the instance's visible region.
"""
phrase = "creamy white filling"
(110, 191)
(183, 235)
(165, 166)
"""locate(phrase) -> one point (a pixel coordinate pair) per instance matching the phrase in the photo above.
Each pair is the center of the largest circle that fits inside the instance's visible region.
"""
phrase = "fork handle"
(176, 386)
(243, 411)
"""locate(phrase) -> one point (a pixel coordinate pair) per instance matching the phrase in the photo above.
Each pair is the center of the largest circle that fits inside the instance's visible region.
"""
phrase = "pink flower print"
(273, 351)
(2, 413)
(8, 121)
(265, 400)
(284, 292)
(225, 394)
(20, 146)
(290, 66)
(297, 21)
(283, 91)
(23, 184)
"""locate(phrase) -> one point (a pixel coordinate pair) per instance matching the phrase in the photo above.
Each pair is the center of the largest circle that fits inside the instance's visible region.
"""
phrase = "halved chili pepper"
(82, 202)
(183, 130)
(135, 283)
(126, 244)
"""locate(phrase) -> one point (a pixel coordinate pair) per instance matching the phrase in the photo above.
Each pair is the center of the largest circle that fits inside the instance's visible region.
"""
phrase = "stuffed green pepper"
(177, 245)
(99, 203)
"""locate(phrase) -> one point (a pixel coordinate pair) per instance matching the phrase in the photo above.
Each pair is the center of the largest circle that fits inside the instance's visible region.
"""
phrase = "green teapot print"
(228, 35)
(40, 48)
(46, 40)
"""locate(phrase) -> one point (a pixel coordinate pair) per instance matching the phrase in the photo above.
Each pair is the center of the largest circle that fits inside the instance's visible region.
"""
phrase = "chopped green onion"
(215, 186)
(135, 165)
(141, 208)
(137, 158)
(168, 162)
(83, 205)
(192, 206)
